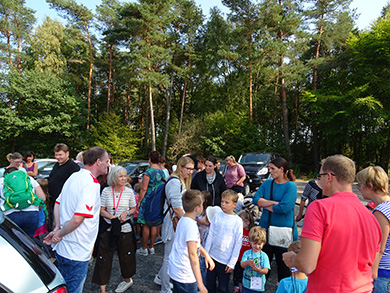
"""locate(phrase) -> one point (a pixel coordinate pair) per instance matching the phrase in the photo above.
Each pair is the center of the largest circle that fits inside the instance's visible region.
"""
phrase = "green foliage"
(120, 140)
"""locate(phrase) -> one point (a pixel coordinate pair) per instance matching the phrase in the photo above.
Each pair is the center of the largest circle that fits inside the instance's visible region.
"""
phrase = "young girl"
(202, 221)
(137, 227)
(248, 223)
(255, 262)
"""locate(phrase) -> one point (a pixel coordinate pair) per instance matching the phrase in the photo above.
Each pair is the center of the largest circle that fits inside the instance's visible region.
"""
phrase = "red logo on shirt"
(89, 208)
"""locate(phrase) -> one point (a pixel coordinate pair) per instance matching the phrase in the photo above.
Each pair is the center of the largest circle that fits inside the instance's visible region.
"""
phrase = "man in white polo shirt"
(76, 214)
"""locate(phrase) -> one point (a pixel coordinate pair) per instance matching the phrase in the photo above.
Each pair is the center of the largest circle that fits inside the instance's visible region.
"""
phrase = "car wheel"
(247, 189)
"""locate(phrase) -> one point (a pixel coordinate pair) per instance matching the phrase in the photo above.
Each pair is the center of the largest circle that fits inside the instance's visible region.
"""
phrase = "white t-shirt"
(80, 196)
(126, 201)
(179, 265)
(225, 247)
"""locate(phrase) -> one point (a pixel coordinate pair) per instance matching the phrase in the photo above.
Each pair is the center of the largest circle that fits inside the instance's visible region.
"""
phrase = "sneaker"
(151, 251)
(123, 286)
(236, 289)
(158, 241)
(141, 251)
(157, 281)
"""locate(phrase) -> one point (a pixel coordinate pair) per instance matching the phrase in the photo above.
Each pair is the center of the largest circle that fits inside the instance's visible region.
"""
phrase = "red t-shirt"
(246, 245)
(350, 236)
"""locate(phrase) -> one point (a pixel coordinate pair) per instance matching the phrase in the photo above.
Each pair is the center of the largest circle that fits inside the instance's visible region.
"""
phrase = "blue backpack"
(154, 213)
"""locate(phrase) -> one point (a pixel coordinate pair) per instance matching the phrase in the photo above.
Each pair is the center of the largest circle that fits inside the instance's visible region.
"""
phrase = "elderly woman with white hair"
(117, 205)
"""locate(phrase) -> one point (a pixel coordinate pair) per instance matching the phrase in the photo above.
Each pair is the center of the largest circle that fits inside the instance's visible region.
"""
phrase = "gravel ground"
(148, 266)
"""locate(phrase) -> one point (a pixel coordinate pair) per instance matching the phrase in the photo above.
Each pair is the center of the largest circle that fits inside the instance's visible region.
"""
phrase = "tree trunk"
(250, 92)
(182, 105)
(109, 80)
(169, 98)
(152, 117)
(90, 73)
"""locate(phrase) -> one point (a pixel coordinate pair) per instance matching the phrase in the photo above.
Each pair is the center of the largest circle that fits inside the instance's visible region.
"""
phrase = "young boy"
(183, 264)
(255, 262)
(224, 242)
(297, 283)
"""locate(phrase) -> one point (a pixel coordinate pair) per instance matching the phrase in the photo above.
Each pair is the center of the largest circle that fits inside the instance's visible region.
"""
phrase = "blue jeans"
(220, 274)
(27, 221)
(381, 285)
(184, 287)
(74, 273)
(203, 269)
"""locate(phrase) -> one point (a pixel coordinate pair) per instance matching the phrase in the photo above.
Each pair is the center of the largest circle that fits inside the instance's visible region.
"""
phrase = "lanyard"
(113, 199)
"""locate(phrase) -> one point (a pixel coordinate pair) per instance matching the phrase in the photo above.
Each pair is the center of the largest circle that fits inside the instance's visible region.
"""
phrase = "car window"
(254, 158)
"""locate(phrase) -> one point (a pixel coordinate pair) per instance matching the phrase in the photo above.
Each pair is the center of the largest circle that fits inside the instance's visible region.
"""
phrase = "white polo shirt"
(80, 196)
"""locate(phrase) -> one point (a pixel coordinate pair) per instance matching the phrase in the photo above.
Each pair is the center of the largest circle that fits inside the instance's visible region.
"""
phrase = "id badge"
(256, 283)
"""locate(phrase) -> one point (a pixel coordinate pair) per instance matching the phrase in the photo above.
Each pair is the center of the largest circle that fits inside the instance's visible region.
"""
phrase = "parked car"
(135, 168)
(256, 169)
(222, 167)
(45, 170)
(24, 267)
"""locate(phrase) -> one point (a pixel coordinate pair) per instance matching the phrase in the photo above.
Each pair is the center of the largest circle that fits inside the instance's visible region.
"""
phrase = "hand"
(52, 237)
(256, 268)
(210, 265)
(298, 218)
(202, 289)
(228, 270)
(288, 258)
(123, 217)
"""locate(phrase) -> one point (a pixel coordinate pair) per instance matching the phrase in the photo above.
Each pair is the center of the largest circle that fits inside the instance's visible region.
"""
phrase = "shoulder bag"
(279, 236)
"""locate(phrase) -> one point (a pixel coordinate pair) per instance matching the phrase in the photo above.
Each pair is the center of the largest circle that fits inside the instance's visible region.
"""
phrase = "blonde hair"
(186, 182)
(376, 176)
(257, 235)
(230, 159)
(341, 166)
(14, 156)
(230, 194)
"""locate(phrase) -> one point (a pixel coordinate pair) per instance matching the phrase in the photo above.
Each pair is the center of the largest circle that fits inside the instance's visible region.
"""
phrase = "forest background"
(292, 77)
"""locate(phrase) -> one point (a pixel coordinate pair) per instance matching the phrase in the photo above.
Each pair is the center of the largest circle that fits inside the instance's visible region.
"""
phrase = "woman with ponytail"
(278, 211)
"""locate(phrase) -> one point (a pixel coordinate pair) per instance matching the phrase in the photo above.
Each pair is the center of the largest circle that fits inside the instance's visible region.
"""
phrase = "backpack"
(18, 192)
(154, 213)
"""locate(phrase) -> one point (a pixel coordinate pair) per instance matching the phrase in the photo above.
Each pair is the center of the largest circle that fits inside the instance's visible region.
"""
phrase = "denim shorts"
(74, 273)
(381, 285)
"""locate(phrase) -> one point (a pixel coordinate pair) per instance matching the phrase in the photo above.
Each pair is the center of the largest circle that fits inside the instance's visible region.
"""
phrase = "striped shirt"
(384, 264)
(127, 201)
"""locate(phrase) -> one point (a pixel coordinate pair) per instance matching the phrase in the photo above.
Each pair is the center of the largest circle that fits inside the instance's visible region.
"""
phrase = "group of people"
(343, 247)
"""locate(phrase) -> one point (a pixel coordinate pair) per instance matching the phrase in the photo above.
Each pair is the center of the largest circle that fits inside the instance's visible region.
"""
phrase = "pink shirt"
(350, 237)
(233, 174)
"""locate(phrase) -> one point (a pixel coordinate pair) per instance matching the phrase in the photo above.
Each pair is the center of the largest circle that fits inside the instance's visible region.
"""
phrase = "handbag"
(279, 236)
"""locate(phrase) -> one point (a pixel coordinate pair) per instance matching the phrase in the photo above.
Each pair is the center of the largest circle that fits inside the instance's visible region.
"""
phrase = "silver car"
(24, 267)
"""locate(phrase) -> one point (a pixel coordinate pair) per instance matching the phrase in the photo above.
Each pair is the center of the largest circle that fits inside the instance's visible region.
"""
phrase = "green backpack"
(18, 192)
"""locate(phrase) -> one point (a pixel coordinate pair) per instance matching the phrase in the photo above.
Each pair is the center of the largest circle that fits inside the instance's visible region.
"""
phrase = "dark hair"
(201, 159)
(154, 157)
(212, 159)
(280, 162)
(92, 155)
(61, 147)
(29, 154)
(207, 199)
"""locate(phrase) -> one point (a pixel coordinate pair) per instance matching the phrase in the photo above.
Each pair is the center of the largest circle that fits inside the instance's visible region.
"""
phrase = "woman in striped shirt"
(373, 183)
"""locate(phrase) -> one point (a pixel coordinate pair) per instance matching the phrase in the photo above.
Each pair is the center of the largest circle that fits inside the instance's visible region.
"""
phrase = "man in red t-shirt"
(340, 237)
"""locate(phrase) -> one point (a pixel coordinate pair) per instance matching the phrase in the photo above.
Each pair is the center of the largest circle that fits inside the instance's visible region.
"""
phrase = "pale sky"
(369, 10)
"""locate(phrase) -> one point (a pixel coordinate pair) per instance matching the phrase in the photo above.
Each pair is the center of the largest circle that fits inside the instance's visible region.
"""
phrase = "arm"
(39, 192)
(248, 262)
(385, 228)
(105, 214)
(144, 188)
(210, 265)
(237, 240)
(173, 195)
(300, 213)
(259, 199)
(34, 172)
(194, 260)
(306, 260)
(242, 174)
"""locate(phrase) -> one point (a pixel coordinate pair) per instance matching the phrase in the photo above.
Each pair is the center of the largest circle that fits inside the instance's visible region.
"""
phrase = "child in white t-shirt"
(183, 264)
(255, 262)
(224, 242)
